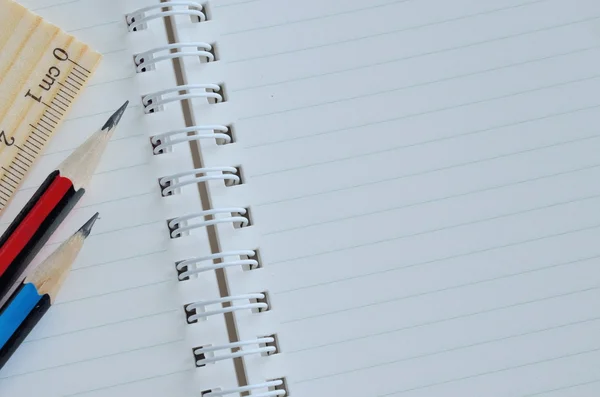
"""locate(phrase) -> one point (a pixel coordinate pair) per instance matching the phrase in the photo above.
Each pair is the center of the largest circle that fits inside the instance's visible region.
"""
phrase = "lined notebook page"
(421, 176)
(118, 326)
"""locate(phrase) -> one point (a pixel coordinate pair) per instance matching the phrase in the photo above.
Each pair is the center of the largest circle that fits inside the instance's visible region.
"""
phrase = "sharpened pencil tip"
(87, 227)
(115, 118)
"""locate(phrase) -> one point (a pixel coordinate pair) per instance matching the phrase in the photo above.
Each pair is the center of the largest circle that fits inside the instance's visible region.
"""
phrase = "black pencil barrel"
(15, 273)
(24, 329)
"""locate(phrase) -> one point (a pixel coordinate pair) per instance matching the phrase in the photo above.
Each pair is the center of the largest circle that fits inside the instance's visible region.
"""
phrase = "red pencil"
(49, 206)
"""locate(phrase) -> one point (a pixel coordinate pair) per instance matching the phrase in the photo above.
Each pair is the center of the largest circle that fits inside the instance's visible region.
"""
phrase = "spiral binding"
(165, 141)
(173, 182)
(147, 60)
(195, 312)
(272, 385)
(191, 267)
(207, 354)
(138, 19)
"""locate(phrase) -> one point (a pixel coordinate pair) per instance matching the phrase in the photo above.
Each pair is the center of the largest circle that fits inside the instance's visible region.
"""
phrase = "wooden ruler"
(42, 71)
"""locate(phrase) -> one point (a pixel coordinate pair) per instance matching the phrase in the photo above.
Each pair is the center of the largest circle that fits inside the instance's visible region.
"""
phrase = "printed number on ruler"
(42, 71)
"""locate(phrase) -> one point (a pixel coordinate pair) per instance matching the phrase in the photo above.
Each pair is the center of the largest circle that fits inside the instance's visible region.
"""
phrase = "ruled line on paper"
(108, 324)
(420, 173)
(521, 242)
(320, 17)
(119, 260)
(418, 85)
(357, 307)
(55, 5)
(405, 267)
(129, 383)
(563, 388)
(237, 3)
(465, 346)
(434, 322)
(231, 61)
(431, 111)
(435, 52)
(120, 353)
(433, 200)
(424, 113)
(88, 297)
(505, 369)
(94, 26)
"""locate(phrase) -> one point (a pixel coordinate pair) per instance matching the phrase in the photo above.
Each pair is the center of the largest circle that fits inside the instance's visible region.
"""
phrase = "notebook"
(395, 198)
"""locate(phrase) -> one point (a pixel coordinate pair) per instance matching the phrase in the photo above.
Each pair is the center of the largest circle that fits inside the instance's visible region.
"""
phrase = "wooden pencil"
(49, 206)
(37, 293)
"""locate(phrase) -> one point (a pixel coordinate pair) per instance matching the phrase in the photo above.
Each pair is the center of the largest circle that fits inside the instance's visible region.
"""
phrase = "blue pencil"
(34, 297)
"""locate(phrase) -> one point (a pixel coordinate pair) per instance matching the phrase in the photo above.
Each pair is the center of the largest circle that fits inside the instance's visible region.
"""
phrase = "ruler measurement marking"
(79, 73)
(67, 89)
(49, 128)
(53, 103)
(7, 195)
(73, 81)
(60, 94)
(36, 128)
(32, 148)
(28, 142)
(75, 88)
(50, 117)
(52, 86)
(80, 79)
(22, 150)
(8, 173)
(75, 63)
(58, 98)
(37, 140)
(32, 138)
(10, 170)
(17, 165)
(9, 179)
(56, 112)
(40, 134)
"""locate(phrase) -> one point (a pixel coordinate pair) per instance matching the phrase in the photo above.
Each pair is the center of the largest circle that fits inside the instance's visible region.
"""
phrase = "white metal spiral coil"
(259, 386)
(200, 310)
(211, 357)
(181, 224)
(173, 182)
(139, 18)
(222, 134)
(155, 101)
(147, 59)
(190, 267)
(162, 142)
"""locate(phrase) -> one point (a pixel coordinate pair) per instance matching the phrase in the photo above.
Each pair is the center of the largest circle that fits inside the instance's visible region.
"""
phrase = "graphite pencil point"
(87, 228)
(115, 118)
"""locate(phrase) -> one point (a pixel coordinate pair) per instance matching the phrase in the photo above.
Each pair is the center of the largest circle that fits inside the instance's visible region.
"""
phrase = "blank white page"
(118, 327)
(422, 182)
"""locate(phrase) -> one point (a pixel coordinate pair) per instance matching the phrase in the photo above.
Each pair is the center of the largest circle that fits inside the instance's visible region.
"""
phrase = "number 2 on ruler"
(8, 141)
